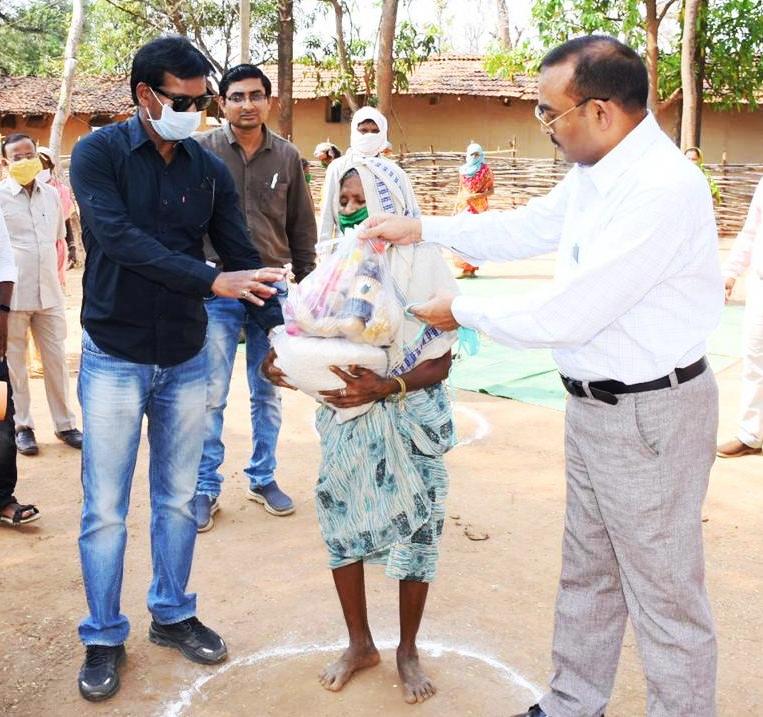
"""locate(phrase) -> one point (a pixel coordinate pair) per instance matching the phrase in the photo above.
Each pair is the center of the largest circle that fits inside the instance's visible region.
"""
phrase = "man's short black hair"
(16, 137)
(604, 68)
(173, 54)
(244, 71)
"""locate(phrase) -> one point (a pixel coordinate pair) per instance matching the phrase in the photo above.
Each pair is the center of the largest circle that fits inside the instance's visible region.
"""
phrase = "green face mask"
(348, 221)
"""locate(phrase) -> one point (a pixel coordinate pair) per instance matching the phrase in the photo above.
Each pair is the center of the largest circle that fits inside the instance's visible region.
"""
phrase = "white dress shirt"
(637, 287)
(747, 250)
(35, 222)
(8, 270)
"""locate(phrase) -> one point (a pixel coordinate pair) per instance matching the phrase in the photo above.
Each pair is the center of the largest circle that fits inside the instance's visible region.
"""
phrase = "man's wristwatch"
(5, 308)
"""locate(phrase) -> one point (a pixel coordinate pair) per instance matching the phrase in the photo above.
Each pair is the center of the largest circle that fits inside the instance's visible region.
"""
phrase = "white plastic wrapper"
(306, 359)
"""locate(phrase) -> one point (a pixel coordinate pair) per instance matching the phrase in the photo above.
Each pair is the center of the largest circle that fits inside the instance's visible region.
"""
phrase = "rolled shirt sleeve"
(301, 229)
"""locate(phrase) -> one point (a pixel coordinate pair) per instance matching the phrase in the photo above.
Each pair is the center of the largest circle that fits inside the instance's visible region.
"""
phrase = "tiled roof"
(39, 95)
(449, 75)
(111, 96)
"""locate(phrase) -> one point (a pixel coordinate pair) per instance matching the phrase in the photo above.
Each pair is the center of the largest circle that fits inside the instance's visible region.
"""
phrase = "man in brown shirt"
(279, 213)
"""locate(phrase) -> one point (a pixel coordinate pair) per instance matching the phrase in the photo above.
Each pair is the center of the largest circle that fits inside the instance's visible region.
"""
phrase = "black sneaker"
(99, 678)
(196, 641)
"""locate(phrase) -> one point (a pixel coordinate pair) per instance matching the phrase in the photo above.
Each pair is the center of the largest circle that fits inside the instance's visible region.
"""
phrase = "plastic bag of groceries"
(350, 295)
(306, 360)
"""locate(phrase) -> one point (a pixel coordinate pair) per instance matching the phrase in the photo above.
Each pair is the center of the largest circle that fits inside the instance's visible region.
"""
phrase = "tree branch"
(134, 14)
(21, 28)
(670, 100)
(664, 10)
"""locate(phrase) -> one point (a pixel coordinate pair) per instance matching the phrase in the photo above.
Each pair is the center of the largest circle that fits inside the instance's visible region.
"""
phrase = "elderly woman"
(382, 482)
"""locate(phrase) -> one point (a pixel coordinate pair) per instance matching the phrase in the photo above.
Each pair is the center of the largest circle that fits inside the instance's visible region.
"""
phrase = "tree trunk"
(689, 75)
(285, 67)
(699, 63)
(344, 61)
(652, 53)
(244, 18)
(384, 70)
(67, 81)
(504, 29)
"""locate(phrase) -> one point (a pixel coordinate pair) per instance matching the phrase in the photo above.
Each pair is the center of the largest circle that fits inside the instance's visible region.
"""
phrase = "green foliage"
(33, 36)
(733, 42)
(730, 36)
(33, 32)
(111, 37)
(412, 46)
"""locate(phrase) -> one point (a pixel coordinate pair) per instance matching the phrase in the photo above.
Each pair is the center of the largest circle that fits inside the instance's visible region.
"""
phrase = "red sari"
(480, 182)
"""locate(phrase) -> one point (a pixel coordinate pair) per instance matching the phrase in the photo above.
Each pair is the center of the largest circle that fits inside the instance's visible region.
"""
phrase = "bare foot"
(417, 687)
(337, 674)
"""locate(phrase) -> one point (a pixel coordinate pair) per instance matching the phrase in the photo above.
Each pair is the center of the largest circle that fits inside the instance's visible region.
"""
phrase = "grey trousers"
(637, 474)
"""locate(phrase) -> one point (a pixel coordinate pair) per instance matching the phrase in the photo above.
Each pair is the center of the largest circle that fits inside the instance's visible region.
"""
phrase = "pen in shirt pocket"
(275, 179)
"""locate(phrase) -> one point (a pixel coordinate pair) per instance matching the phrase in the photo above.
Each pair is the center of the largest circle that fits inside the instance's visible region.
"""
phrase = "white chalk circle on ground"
(481, 426)
(501, 674)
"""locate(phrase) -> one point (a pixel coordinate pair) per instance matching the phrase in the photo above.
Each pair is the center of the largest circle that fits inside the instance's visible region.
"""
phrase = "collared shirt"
(274, 197)
(637, 289)
(8, 270)
(35, 222)
(143, 223)
(747, 250)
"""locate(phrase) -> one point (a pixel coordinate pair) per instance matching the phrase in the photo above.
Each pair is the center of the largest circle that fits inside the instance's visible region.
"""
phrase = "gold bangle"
(403, 388)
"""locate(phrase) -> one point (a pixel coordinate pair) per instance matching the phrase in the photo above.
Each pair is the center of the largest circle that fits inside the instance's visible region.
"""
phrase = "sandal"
(18, 514)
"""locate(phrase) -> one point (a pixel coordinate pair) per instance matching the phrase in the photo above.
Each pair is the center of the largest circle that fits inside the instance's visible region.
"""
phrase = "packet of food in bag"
(351, 295)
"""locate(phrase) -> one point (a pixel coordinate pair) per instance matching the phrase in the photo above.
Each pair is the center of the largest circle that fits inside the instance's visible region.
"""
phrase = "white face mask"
(44, 176)
(173, 126)
(369, 144)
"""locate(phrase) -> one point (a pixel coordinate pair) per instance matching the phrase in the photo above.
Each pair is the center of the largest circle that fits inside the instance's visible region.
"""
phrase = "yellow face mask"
(25, 170)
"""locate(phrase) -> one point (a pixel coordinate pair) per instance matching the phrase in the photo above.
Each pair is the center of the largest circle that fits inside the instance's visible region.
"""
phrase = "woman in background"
(475, 186)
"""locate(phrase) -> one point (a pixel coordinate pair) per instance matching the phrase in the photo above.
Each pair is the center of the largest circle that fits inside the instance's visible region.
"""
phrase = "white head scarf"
(370, 144)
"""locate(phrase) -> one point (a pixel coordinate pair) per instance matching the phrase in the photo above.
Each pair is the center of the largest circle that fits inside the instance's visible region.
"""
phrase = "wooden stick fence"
(434, 176)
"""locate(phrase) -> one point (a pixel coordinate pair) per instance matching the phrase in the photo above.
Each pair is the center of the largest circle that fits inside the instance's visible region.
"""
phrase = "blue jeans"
(227, 317)
(115, 394)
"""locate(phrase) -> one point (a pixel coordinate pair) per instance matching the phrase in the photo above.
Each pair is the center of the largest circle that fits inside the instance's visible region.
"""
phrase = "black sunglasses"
(181, 103)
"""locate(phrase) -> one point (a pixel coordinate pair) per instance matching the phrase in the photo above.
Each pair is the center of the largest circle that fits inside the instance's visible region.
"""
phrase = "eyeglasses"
(239, 98)
(546, 124)
(181, 103)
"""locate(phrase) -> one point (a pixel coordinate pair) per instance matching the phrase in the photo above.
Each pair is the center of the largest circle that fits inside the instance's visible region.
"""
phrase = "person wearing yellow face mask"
(35, 221)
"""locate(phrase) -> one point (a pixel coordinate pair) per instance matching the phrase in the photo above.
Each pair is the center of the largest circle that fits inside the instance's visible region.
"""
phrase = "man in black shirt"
(148, 195)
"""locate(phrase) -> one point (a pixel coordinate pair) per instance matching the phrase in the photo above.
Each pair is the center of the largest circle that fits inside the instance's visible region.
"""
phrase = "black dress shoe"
(99, 677)
(26, 443)
(196, 641)
(534, 711)
(72, 437)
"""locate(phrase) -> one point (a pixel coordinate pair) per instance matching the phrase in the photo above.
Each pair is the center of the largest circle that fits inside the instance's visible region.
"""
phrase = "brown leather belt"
(607, 390)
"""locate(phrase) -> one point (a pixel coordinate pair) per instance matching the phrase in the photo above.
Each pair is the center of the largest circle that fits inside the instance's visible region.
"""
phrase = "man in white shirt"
(32, 212)
(747, 253)
(636, 293)
(12, 511)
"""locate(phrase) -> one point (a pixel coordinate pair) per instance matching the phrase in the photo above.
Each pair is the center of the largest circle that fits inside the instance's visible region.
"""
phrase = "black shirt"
(143, 223)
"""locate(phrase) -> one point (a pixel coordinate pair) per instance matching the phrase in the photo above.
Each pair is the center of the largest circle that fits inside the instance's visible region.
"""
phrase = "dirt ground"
(263, 581)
